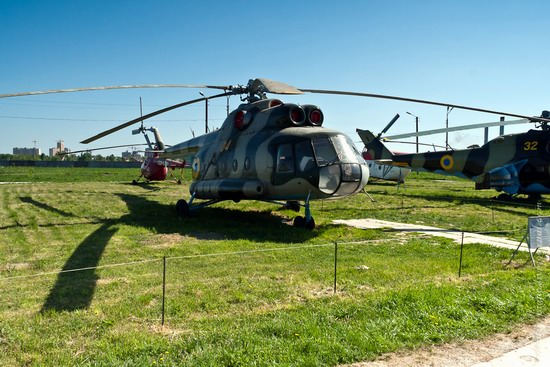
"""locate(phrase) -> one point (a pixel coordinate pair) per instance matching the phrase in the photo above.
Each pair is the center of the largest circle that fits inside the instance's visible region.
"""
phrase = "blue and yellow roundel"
(447, 162)
(196, 167)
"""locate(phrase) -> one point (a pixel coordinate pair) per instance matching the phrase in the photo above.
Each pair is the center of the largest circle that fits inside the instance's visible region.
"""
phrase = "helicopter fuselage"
(268, 150)
(513, 163)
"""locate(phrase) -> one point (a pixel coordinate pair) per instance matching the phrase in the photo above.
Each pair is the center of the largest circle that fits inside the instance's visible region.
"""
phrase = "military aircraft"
(266, 149)
(512, 164)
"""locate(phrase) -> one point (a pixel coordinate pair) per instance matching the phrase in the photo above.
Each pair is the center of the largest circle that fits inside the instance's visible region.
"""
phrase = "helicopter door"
(284, 168)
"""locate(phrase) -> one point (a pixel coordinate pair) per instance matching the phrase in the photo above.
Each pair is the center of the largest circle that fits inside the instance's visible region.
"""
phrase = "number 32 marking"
(530, 145)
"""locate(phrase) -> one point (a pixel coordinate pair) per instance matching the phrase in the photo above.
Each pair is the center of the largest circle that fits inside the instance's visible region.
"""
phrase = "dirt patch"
(465, 353)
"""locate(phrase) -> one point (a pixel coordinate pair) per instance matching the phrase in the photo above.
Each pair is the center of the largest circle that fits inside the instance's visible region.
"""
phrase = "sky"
(491, 54)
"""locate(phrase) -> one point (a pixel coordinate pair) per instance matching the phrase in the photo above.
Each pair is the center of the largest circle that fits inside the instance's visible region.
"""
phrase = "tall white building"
(59, 149)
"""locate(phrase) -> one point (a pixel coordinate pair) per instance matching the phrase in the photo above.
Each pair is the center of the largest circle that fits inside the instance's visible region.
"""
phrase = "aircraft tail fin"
(375, 148)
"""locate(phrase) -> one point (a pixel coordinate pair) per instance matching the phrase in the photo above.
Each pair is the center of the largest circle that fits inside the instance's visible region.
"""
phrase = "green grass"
(266, 298)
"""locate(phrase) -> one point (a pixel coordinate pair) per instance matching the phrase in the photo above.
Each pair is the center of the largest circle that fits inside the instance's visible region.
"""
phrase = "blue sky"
(489, 54)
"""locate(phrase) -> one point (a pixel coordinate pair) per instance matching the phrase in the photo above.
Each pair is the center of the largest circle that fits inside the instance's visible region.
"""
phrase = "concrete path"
(536, 354)
(433, 231)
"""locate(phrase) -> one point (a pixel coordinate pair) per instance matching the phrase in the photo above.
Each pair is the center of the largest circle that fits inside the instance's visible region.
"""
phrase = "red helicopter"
(153, 167)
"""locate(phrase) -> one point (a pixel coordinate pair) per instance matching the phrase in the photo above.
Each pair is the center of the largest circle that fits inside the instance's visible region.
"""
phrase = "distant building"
(27, 151)
(127, 155)
(59, 149)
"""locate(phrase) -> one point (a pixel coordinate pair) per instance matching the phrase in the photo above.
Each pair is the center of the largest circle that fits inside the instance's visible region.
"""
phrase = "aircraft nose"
(343, 179)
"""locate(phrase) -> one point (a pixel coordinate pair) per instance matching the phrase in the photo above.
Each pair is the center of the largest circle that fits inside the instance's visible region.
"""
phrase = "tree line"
(84, 157)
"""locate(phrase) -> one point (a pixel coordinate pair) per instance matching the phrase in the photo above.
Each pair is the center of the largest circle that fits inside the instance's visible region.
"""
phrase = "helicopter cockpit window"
(347, 152)
(324, 151)
(285, 159)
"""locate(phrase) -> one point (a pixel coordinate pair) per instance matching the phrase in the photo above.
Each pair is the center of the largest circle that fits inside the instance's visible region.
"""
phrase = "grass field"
(244, 287)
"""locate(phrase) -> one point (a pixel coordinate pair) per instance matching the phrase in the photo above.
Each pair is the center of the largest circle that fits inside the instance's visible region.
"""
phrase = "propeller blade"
(457, 128)
(22, 94)
(383, 96)
(152, 114)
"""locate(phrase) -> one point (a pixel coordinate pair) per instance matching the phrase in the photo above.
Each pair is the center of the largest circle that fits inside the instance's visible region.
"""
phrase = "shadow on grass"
(74, 290)
(47, 207)
(249, 224)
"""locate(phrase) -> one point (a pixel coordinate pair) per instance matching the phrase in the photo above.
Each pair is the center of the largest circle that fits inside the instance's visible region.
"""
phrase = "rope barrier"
(176, 258)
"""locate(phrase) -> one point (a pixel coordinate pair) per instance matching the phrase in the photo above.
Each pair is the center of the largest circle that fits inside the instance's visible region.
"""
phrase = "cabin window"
(285, 159)
(304, 156)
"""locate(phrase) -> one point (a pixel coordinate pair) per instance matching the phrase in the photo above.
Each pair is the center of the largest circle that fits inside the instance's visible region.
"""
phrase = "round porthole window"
(247, 163)
(235, 165)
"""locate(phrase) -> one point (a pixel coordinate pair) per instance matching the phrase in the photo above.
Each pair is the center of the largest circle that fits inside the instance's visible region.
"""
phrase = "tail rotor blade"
(389, 124)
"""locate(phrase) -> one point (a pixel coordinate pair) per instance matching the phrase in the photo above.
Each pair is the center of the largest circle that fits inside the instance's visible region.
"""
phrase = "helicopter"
(511, 164)
(266, 149)
(153, 167)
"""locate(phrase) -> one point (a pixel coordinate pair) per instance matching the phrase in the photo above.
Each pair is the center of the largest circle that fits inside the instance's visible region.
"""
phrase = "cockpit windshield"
(338, 148)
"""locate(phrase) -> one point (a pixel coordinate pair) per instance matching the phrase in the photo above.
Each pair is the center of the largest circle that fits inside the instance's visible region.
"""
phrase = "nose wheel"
(307, 222)
(301, 222)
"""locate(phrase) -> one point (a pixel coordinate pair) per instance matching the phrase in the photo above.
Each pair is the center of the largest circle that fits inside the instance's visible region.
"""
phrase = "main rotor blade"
(273, 86)
(152, 114)
(102, 148)
(457, 128)
(22, 94)
(383, 96)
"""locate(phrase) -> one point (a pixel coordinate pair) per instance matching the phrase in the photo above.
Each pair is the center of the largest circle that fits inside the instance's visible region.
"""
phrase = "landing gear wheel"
(179, 182)
(293, 205)
(299, 222)
(182, 208)
(504, 197)
(134, 182)
(311, 224)
(534, 197)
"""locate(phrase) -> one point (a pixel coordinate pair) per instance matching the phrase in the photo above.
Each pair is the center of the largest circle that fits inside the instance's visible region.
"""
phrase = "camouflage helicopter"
(511, 164)
(265, 150)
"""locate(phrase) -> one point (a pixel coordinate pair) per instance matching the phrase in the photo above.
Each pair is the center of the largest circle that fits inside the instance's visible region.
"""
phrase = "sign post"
(537, 236)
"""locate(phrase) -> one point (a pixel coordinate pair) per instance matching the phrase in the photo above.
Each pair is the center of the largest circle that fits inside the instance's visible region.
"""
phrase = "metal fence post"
(335, 263)
(461, 247)
(163, 285)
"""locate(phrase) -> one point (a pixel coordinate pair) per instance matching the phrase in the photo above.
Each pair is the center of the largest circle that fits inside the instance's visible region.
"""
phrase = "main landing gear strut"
(307, 221)
(184, 209)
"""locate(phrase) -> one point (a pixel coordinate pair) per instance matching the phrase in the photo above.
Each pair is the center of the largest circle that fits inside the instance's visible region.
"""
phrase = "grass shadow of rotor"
(76, 283)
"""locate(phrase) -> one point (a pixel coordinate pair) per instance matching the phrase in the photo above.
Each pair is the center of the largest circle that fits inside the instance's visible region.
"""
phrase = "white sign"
(539, 232)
